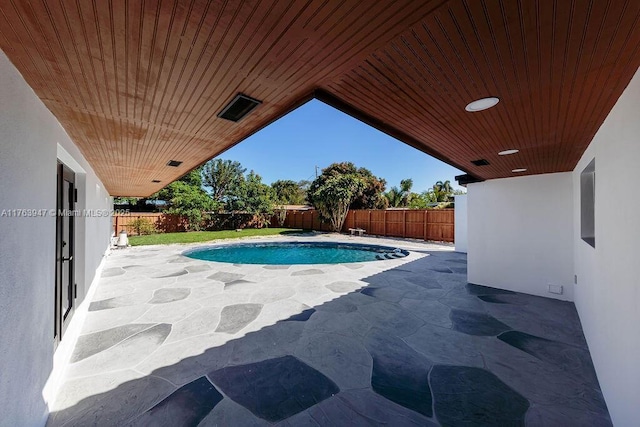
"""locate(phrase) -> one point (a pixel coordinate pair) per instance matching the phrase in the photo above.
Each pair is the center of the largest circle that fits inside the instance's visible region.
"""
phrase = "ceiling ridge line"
(348, 109)
(397, 120)
(354, 60)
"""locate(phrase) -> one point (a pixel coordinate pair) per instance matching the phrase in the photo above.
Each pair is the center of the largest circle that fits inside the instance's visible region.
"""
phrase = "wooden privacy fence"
(426, 224)
(165, 223)
(169, 223)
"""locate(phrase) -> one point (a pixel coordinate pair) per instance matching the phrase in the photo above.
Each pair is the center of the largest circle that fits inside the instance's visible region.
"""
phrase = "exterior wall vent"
(238, 108)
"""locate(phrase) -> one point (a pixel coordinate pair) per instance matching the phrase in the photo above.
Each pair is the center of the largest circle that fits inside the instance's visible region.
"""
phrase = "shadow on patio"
(416, 346)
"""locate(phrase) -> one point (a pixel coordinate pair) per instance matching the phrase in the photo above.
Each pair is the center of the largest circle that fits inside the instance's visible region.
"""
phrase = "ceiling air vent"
(174, 163)
(155, 181)
(480, 162)
(239, 107)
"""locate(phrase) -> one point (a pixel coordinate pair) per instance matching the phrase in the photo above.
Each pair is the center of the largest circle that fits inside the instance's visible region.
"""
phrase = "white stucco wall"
(607, 295)
(30, 138)
(460, 220)
(520, 234)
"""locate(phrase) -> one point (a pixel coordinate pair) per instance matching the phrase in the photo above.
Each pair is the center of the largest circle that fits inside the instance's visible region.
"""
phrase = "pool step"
(392, 255)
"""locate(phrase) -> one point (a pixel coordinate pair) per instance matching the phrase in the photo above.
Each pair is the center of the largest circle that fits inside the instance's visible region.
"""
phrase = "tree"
(304, 185)
(189, 202)
(419, 201)
(424, 200)
(192, 203)
(125, 200)
(400, 197)
(370, 196)
(186, 198)
(222, 177)
(332, 195)
(194, 178)
(440, 195)
(252, 196)
(289, 192)
(442, 191)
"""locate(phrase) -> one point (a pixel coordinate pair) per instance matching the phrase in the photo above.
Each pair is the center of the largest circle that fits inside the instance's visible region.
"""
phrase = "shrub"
(143, 226)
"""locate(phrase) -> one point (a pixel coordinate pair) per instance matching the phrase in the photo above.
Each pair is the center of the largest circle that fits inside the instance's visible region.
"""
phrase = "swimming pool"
(283, 253)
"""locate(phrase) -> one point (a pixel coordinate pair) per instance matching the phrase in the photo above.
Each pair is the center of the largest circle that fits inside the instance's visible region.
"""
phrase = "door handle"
(67, 259)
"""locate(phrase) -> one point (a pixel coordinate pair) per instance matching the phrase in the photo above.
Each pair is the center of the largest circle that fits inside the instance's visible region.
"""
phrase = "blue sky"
(317, 135)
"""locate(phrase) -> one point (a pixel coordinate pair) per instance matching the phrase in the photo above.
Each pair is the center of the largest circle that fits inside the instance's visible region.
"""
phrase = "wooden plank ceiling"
(139, 83)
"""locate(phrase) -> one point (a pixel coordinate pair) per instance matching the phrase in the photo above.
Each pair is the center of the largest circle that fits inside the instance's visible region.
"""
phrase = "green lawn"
(205, 236)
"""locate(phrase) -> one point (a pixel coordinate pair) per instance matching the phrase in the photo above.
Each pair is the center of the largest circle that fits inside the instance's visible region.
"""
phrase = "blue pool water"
(294, 253)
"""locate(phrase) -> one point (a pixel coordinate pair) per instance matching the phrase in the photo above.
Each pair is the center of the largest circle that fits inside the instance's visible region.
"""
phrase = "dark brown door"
(65, 280)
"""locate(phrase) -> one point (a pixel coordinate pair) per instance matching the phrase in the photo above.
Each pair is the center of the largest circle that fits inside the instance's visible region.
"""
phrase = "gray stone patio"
(173, 341)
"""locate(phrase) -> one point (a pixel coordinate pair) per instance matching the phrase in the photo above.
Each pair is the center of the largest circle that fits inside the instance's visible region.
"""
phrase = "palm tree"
(399, 197)
(405, 189)
(442, 191)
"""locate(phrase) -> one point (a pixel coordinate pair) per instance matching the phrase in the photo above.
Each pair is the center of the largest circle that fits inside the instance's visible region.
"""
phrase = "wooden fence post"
(116, 226)
(385, 224)
(369, 224)
(404, 223)
(426, 215)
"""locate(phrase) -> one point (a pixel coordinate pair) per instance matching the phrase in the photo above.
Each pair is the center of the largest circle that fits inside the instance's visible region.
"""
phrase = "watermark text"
(84, 213)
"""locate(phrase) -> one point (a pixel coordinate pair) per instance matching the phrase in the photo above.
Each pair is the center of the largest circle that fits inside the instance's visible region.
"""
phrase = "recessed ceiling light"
(507, 152)
(518, 170)
(482, 104)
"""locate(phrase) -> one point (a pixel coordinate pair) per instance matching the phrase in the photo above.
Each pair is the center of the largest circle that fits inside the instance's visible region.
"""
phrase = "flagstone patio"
(170, 340)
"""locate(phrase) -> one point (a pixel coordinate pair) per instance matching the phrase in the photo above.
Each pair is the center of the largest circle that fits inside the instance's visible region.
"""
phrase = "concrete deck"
(172, 341)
